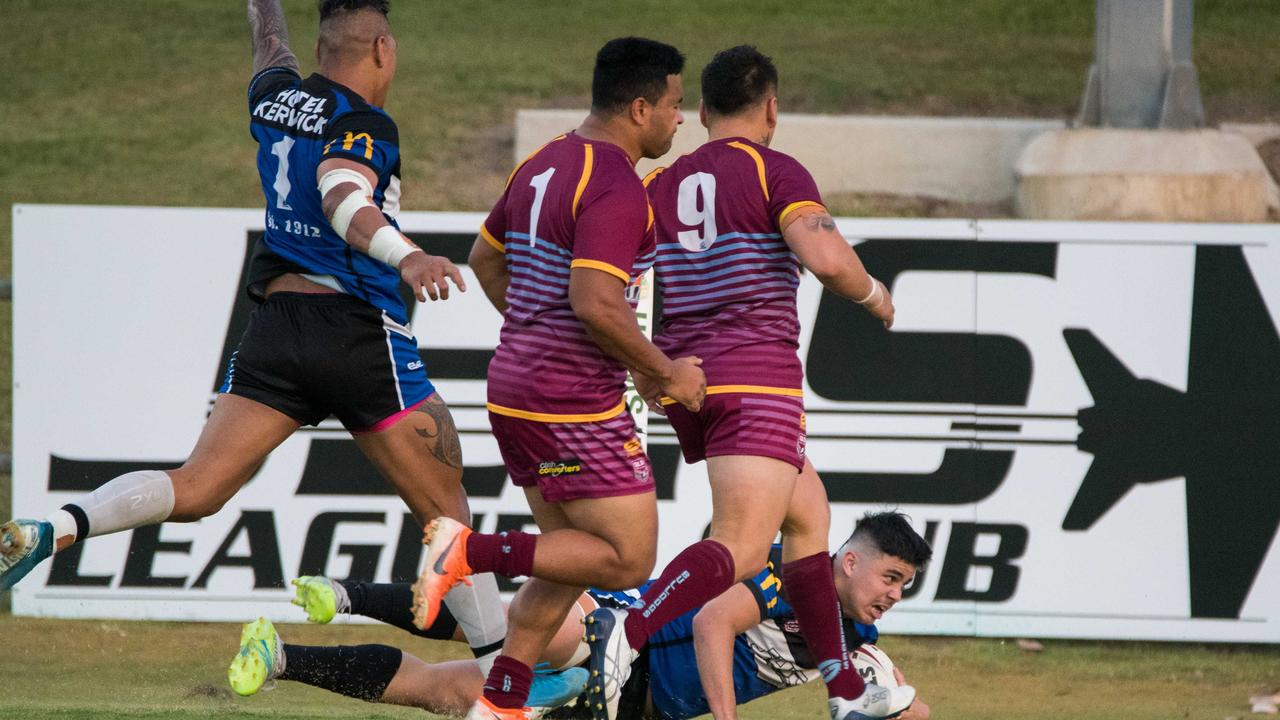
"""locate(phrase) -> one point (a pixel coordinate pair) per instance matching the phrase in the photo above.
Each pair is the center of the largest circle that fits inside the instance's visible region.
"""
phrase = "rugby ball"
(874, 665)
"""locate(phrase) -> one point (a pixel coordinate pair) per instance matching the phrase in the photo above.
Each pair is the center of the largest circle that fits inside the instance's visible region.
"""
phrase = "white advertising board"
(1083, 419)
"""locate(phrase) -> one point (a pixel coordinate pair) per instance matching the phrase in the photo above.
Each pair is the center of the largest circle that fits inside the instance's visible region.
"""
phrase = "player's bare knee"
(749, 554)
(198, 495)
(630, 568)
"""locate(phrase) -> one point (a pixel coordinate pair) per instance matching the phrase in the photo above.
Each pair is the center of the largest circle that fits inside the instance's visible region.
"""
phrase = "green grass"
(95, 669)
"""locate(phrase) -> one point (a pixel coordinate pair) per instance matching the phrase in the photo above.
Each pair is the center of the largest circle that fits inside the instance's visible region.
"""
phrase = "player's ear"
(382, 50)
(640, 110)
(702, 113)
(771, 113)
(848, 562)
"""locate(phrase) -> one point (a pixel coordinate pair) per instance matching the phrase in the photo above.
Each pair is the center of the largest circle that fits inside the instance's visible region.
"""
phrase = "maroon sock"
(507, 553)
(811, 590)
(508, 683)
(698, 574)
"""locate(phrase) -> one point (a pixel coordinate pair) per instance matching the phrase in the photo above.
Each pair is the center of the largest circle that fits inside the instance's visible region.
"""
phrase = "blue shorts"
(315, 355)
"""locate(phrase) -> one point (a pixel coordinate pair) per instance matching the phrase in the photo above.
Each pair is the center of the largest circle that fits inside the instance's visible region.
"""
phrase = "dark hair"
(632, 67)
(329, 8)
(737, 78)
(892, 534)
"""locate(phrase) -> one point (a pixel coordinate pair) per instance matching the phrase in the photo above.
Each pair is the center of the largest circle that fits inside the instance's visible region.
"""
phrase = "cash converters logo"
(556, 468)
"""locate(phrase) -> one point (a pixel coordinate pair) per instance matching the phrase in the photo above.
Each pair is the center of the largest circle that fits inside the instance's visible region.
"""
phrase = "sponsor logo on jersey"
(284, 109)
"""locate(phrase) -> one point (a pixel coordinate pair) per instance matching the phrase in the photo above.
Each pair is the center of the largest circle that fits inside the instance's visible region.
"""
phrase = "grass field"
(94, 669)
(141, 102)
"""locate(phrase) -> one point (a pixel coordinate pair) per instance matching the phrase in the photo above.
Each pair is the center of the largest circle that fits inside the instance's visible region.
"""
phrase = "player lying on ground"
(745, 644)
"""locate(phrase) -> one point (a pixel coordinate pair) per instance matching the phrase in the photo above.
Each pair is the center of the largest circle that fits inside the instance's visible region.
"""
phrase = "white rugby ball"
(874, 665)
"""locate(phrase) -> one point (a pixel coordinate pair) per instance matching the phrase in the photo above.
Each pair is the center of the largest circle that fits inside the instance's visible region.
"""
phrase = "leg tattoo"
(440, 432)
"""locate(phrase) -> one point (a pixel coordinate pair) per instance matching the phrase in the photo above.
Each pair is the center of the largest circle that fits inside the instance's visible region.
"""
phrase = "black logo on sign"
(1222, 434)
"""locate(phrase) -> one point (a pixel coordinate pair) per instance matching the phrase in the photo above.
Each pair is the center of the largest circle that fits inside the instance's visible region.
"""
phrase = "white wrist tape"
(389, 246)
(875, 294)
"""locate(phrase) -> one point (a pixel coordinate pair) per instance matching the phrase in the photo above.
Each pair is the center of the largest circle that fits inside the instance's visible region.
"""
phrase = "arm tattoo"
(440, 432)
(270, 36)
(819, 221)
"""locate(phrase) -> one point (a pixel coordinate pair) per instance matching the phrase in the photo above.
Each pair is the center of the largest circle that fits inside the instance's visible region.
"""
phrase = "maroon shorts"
(742, 424)
(574, 461)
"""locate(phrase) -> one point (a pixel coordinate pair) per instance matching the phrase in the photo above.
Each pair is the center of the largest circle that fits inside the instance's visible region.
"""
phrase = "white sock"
(132, 500)
(343, 598)
(64, 524)
(478, 609)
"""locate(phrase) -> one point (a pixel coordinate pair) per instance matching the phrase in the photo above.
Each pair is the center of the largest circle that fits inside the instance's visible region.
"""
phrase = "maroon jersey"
(573, 203)
(728, 280)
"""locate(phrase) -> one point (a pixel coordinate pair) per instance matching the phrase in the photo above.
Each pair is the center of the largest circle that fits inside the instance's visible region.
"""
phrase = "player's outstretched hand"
(687, 384)
(883, 310)
(429, 275)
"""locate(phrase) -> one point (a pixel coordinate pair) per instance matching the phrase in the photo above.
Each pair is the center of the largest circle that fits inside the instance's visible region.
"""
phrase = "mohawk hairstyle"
(891, 533)
(737, 78)
(329, 8)
(632, 67)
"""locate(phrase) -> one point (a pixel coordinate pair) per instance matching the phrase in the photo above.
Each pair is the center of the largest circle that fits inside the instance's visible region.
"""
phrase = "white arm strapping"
(351, 204)
(875, 293)
(389, 246)
(334, 178)
(347, 209)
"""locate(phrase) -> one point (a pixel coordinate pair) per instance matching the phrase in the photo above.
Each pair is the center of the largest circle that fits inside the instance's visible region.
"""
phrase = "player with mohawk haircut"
(329, 335)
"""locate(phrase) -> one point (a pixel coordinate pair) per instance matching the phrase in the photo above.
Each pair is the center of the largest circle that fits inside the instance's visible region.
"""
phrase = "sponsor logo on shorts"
(633, 447)
(414, 365)
(640, 468)
(556, 468)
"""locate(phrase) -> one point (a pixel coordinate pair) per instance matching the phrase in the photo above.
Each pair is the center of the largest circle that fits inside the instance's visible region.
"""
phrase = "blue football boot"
(23, 544)
(553, 689)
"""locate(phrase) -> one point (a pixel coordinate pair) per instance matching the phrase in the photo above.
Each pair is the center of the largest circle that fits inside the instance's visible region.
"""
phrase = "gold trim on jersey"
(489, 238)
(588, 161)
(745, 389)
(782, 216)
(609, 414)
(759, 164)
(519, 165)
(653, 175)
(602, 266)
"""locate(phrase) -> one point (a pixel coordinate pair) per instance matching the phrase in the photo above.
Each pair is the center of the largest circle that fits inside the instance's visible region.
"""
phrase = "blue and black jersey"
(299, 123)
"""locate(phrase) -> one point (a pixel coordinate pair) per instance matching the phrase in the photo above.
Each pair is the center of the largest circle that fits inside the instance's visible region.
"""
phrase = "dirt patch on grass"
(205, 690)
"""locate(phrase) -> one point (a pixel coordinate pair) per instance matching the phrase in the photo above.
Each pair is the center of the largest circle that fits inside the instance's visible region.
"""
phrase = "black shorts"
(315, 355)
